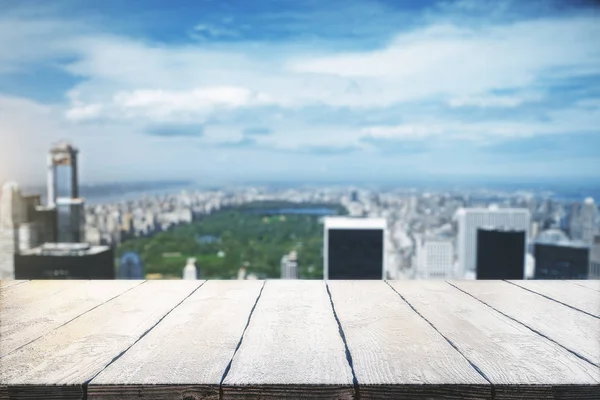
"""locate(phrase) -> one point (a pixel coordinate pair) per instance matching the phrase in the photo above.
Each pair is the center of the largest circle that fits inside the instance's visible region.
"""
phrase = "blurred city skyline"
(269, 91)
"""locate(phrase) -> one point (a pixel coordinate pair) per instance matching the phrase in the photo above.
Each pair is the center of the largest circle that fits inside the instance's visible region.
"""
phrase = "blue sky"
(221, 91)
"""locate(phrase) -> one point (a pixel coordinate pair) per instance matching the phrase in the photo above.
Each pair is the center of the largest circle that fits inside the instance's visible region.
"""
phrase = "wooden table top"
(299, 339)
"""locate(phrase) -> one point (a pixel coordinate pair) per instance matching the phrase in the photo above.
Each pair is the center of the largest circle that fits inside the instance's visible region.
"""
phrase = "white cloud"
(437, 62)
(444, 60)
(128, 84)
(485, 101)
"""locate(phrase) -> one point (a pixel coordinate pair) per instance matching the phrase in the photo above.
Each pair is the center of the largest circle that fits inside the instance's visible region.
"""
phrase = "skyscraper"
(12, 215)
(354, 248)
(63, 193)
(70, 219)
(500, 254)
(435, 259)
(588, 215)
(471, 219)
(62, 172)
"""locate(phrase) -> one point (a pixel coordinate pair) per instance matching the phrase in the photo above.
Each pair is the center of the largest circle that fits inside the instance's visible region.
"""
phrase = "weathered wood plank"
(395, 352)
(61, 362)
(188, 352)
(585, 300)
(6, 284)
(518, 362)
(34, 309)
(570, 328)
(291, 348)
(593, 284)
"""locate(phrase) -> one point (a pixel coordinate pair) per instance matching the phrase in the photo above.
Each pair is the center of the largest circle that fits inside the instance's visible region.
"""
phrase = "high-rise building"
(588, 215)
(595, 259)
(46, 222)
(575, 222)
(562, 260)
(500, 254)
(289, 266)
(354, 248)
(62, 172)
(471, 219)
(65, 261)
(12, 215)
(435, 259)
(31, 202)
(28, 236)
(70, 218)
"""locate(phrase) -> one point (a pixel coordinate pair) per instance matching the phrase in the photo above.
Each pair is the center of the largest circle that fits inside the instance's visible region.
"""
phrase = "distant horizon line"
(454, 180)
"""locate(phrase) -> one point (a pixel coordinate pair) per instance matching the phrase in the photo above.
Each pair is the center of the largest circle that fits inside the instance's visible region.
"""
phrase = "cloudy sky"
(238, 90)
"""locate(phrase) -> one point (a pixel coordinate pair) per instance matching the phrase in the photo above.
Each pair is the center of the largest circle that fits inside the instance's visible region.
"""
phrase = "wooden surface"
(69, 356)
(482, 334)
(35, 309)
(299, 339)
(591, 284)
(200, 331)
(394, 350)
(574, 296)
(572, 329)
(6, 284)
(292, 345)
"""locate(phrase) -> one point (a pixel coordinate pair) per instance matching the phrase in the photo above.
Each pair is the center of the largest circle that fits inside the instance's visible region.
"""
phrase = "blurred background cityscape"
(310, 139)
(174, 230)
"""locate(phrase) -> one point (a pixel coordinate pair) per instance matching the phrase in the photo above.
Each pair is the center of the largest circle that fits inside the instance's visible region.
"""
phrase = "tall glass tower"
(63, 192)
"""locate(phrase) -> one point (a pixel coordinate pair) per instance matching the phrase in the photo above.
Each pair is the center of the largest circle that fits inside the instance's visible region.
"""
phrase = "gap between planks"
(553, 299)
(71, 320)
(475, 367)
(86, 383)
(526, 326)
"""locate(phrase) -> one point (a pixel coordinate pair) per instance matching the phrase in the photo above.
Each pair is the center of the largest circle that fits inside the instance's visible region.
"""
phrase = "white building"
(12, 214)
(588, 215)
(471, 219)
(435, 259)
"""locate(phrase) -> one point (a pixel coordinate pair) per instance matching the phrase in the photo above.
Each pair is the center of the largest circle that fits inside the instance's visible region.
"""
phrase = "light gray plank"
(34, 309)
(571, 295)
(6, 283)
(517, 361)
(291, 348)
(593, 284)
(395, 352)
(188, 352)
(570, 328)
(59, 363)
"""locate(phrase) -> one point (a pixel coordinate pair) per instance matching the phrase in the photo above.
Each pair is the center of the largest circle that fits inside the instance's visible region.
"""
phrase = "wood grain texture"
(395, 352)
(59, 363)
(188, 351)
(571, 295)
(593, 284)
(32, 310)
(292, 347)
(576, 331)
(6, 283)
(512, 357)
